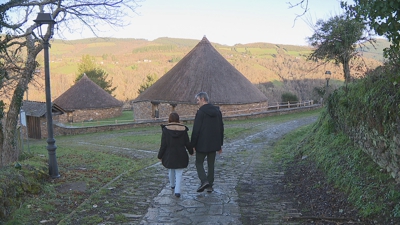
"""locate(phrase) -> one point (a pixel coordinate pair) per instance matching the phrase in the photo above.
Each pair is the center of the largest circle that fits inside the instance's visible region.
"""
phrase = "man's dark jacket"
(208, 129)
(174, 143)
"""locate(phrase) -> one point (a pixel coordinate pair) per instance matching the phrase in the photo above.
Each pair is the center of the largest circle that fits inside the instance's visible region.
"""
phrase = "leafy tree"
(97, 75)
(381, 16)
(289, 97)
(22, 46)
(338, 39)
(87, 64)
(150, 80)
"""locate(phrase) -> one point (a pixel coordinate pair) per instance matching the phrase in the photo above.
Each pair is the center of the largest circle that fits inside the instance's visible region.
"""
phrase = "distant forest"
(274, 69)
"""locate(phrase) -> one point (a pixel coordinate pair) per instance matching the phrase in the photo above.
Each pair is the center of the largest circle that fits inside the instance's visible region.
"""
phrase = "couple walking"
(206, 141)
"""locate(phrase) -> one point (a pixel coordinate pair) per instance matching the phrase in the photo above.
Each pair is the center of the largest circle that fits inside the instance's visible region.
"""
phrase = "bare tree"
(21, 47)
(303, 4)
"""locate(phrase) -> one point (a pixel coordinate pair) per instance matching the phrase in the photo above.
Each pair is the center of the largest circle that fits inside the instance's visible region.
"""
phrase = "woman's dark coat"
(174, 142)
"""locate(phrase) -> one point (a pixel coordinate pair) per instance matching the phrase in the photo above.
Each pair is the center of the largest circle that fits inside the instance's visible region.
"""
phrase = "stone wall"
(60, 130)
(145, 110)
(383, 149)
(252, 108)
(43, 127)
(64, 130)
(371, 124)
(88, 115)
(79, 116)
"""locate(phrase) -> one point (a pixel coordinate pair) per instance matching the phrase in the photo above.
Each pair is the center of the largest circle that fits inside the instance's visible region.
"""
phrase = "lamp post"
(327, 77)
(47, 18)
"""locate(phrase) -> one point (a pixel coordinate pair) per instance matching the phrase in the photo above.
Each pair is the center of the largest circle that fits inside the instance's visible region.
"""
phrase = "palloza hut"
(35, 117)
(87, 101)
(202, 69)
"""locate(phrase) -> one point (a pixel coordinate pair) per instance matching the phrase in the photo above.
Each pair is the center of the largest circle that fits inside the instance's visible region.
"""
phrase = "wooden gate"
(33, 124)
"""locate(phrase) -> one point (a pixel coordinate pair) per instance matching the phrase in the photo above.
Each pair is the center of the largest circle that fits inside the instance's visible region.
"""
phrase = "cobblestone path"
(247, 188)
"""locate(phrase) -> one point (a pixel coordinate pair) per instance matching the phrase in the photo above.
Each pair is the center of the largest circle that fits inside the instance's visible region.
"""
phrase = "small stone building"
(36, 122)
(202, 69)
(87, 101)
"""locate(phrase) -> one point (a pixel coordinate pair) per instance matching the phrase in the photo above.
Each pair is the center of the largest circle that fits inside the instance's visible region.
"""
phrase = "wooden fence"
(237, 113)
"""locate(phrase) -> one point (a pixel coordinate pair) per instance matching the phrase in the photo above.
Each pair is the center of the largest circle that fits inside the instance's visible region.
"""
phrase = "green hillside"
(129, 61)
(375, 51)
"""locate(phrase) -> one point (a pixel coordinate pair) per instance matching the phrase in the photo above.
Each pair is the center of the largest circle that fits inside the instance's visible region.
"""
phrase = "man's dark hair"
(202, 95)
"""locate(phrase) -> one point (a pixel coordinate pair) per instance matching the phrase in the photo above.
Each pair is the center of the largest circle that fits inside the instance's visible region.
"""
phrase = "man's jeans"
(200, 157)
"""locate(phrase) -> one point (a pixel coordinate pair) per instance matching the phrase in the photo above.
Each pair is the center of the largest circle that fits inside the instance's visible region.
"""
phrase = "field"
(129, 61)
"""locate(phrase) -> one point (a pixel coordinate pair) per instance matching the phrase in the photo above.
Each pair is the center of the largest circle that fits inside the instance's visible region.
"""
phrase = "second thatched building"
(87, 101)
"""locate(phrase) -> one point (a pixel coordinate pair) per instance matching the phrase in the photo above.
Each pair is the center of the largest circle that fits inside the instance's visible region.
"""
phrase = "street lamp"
(327, 77)
(47, 18)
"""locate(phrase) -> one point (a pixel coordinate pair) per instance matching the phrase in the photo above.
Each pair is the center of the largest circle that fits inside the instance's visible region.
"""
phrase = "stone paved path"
(241, 166)
(247, 189)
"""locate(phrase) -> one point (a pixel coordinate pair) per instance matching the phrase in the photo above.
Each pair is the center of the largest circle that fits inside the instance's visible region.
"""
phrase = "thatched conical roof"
(203, 69)
(86, 94)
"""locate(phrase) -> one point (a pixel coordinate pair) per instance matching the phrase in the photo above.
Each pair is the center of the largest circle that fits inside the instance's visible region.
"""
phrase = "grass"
(95, 159)
(101, 44)
(368, 187)
(283, 150)
(262, 51)
(126, 117)
(67, 68)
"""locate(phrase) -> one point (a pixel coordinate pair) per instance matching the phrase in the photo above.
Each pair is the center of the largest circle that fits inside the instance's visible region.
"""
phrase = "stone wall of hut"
(232, 110)
(150, 110)
(43, 126)
(88, 115)
(60, 129)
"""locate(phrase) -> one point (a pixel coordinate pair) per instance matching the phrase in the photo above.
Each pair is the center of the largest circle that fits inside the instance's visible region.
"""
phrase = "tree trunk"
(1, 130)
(346, 70)
(9, 151)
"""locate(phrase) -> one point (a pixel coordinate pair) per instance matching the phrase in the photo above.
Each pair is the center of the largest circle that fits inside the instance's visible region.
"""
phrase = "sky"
(226, 22)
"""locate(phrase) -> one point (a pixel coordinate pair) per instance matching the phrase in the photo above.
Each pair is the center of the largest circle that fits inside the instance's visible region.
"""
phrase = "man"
(207, 139)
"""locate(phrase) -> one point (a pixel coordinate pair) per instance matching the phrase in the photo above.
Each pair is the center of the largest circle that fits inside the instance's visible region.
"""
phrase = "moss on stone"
(18, 183)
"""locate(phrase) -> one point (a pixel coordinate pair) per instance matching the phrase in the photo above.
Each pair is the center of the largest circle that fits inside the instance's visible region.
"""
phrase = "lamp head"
(44, 18)
(327, 74)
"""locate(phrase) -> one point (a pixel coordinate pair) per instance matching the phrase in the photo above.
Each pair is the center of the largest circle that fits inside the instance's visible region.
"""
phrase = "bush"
(289, 97)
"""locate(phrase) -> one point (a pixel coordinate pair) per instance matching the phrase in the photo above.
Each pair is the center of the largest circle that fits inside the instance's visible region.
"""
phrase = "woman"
(172, 153)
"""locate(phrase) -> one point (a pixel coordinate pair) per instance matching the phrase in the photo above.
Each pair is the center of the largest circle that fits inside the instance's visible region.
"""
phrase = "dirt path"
(248, 189)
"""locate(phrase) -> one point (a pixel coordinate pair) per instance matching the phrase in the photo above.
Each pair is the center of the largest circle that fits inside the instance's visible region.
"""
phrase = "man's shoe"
(203, 186)
(177, 195)
(209, 189)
